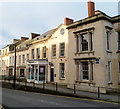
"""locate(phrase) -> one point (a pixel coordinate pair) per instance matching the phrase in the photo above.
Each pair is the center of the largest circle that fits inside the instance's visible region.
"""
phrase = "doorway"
(41, 73)
(52, 74)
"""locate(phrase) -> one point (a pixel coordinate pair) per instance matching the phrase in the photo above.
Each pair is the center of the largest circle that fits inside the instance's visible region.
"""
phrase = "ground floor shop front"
(37, 70)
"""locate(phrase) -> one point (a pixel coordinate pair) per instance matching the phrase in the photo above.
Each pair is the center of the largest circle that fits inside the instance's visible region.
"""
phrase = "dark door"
(52, 75)
(41, 73)
(10, 72)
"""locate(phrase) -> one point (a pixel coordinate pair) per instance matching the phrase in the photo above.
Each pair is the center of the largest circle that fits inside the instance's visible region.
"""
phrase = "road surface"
(15, 98)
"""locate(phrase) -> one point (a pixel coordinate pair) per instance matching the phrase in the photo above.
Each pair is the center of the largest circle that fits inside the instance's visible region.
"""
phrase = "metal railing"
(112, 93)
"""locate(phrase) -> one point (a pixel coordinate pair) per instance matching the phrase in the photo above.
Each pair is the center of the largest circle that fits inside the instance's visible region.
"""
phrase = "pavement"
(16, 98)
(108, 97)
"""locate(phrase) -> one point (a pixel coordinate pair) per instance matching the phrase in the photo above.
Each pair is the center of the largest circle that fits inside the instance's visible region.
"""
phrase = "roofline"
(49, 36)
(97, 17)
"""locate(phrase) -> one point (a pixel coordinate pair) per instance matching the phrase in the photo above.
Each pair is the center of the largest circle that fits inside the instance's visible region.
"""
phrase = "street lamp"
(14, 79)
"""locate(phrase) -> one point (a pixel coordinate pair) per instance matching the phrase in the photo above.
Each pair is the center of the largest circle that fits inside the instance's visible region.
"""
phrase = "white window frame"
(23, 59)
(81, 71)
(37, 53)
(28, 57)
(90, 71)
(81, 43)
(108, 40)
(62, 72)
(32, 53)
(19, 59)
(54, 50)
(44, 52)
(62, 50)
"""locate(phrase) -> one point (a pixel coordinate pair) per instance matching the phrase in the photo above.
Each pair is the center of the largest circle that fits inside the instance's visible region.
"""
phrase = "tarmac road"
(15, 98)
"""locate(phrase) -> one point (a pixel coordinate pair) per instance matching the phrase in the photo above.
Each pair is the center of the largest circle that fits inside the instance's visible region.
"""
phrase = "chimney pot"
(91, 8)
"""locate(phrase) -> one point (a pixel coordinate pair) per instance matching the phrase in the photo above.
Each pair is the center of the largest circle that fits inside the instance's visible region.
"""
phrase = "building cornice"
(96, 17)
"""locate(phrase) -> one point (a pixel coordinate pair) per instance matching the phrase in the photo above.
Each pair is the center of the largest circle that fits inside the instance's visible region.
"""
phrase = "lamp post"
(14, 79)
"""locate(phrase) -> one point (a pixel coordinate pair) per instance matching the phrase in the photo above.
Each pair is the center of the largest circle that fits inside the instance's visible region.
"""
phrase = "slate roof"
(46, 34)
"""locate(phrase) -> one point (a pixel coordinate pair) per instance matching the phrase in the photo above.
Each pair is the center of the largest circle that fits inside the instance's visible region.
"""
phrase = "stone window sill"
(108, 51)
(61, 56)
(85, 52)
(110, 82)
(54, 57)
(118, 51)
(62, 78)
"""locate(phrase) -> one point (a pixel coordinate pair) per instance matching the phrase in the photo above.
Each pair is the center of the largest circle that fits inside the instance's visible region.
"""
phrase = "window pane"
(27, 56)
(108, 40)
(62, 68)
(85, 70)
(84, 42)
(38, 53)
(91, 41)
(44, 52)
(32, 53)
(53, 50)
(62, 49)
(109, 72)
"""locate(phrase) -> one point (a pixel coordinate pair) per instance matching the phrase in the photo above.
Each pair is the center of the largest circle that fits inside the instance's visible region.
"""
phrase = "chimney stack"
(68, 21)
(15, 40)
(91, 8)
(33, 35)
(23, 38)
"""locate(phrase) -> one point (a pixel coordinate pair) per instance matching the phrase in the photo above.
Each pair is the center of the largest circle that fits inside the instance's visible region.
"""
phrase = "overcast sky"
(21, 18)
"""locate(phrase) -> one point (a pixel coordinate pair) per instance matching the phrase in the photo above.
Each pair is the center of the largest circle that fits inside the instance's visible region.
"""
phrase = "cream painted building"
(49, 56)
(41, 58)
(93, 58)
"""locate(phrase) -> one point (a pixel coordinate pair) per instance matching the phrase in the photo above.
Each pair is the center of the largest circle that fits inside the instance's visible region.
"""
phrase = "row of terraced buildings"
(84, 52)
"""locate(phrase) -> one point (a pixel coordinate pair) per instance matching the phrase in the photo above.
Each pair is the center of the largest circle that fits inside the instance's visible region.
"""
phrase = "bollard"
(74, 89)
(25, 83)
(98, 92)
(43, 85)
(56, 86)
(19, 81)
(9, 80)
(33, 84)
